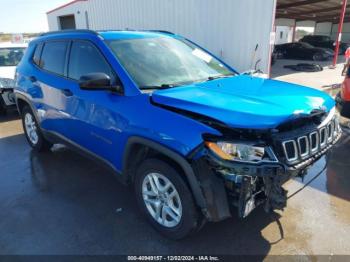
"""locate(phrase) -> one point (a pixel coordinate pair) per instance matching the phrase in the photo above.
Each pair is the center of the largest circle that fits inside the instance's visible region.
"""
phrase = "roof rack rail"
(161, 31)
(70, 31)
(138, 30)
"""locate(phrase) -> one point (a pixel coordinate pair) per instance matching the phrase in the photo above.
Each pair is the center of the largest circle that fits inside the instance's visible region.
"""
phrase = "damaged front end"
(244, 186)
(239, 178)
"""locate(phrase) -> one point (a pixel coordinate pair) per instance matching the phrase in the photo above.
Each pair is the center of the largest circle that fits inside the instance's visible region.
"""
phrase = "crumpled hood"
(246, 102)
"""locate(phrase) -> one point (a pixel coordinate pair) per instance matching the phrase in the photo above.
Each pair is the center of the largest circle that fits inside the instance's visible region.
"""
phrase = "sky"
(26, 16)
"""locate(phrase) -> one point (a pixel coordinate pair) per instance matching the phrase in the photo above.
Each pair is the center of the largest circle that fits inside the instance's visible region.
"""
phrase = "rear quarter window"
(37, 54)
(53, 57)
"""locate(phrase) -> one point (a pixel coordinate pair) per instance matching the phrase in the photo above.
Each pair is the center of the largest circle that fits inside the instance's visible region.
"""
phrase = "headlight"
(241, 152)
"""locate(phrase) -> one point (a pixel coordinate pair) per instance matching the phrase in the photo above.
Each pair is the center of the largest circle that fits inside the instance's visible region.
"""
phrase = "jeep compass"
(197, 140)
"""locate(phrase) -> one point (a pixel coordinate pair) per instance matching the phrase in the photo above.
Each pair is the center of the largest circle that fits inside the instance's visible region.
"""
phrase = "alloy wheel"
(162, 200)
(31, 128)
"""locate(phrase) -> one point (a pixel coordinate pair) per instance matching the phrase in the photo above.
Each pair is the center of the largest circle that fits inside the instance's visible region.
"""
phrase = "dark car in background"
(302, 51)
(324, 42)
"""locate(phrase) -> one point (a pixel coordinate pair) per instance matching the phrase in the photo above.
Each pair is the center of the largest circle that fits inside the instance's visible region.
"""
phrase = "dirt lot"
(62, 203)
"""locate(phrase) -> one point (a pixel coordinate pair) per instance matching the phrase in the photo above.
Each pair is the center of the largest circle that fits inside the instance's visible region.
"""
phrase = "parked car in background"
(10, 55)
(303, 51)
(197, 140)
(324, 42)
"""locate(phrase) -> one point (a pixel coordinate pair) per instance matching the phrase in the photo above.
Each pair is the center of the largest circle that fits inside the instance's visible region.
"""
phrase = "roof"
(65, 5)
(107, 34)
(314, 10)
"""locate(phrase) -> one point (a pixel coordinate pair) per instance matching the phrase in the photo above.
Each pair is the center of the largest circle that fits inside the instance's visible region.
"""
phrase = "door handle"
(67, 92)
(32, 79)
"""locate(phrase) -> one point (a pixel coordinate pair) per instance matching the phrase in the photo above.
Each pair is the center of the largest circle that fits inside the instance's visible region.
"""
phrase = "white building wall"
(345, 34)
(229, 28)
(78, 9)
(331, 30)
(284, 22)
(284, 34)
(306, 24)
(323, 28)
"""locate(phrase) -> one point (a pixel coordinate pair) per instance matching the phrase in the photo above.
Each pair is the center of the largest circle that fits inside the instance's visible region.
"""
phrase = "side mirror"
(99, 81)
(95, 81)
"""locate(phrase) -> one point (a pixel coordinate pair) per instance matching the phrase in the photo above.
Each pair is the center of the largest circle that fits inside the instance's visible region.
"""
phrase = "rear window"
(53, 57)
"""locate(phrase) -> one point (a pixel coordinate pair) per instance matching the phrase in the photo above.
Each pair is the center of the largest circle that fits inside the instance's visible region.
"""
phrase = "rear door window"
(53, 57)
(85, 58)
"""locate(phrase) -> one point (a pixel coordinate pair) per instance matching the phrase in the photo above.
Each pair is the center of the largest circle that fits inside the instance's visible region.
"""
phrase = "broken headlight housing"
(237, 152)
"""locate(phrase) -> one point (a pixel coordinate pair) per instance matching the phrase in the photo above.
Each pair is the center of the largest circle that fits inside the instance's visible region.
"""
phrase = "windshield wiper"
(211, 78)
(163, 86)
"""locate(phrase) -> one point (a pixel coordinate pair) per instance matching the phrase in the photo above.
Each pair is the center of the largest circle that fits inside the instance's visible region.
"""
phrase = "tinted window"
(85, 59)
(37, 54)
(54, 56)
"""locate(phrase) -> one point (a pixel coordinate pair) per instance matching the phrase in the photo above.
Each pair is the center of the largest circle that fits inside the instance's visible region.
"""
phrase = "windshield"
(11, 56)
(165, 62)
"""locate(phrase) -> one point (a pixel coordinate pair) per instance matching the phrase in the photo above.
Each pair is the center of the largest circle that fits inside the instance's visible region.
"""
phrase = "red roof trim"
(62, 6)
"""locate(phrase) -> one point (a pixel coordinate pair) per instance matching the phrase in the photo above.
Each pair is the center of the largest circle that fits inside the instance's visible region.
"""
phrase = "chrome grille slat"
(294, 155)
(330, 132)
(300, 148)
(304, 153)
(323, 137)
(314, 137)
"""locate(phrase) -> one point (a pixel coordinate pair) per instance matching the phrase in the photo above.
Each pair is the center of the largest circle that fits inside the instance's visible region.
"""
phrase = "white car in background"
(10, 55)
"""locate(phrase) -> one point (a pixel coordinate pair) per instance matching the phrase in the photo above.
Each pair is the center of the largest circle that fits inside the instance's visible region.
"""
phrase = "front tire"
(32, 131)
(165, 199)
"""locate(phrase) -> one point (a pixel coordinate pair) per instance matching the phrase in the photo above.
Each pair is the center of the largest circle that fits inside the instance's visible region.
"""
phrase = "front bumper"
(7, 98)
(233, 187)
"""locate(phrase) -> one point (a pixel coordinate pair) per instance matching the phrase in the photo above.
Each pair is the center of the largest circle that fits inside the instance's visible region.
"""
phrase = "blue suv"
(197, 140)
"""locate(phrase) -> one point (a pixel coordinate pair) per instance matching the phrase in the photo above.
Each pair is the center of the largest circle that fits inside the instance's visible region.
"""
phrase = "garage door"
(67, 22)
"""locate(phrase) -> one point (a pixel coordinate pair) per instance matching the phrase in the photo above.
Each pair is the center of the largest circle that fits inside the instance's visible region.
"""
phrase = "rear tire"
(160, 190)
(32, 131)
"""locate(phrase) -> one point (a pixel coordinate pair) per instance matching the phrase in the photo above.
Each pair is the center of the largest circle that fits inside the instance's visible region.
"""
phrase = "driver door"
(91, 119)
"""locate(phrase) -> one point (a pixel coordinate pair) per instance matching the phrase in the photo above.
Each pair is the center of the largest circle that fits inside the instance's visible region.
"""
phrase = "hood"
(7, 72)
(245, 101)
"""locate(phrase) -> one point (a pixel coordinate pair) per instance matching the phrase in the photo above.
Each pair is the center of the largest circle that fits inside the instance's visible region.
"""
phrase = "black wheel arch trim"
(20, 96)
(186, 167)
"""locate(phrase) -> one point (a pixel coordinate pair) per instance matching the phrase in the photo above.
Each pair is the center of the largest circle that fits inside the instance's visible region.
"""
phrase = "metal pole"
(339, 34)
(273, 29)
(294, 31)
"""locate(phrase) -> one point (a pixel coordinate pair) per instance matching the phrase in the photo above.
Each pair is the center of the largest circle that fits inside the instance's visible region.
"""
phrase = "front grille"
(7, 83)
(299, 148)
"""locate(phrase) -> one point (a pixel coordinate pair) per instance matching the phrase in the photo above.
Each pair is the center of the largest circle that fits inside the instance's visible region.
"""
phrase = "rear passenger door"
(48, 84)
